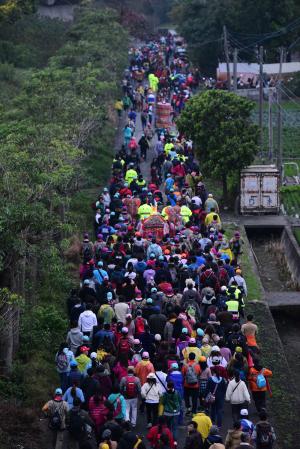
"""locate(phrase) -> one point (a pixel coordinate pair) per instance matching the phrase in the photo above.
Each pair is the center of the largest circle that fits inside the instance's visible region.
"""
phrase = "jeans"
(131, 410)
(172, 422)
(191, 393)
(259, 398)
(152, 412)
(216, 412)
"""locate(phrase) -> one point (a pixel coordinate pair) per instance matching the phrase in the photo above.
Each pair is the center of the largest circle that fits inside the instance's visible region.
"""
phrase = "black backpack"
(76, 425)
(264, 437)
(87, 251)
(55, 420)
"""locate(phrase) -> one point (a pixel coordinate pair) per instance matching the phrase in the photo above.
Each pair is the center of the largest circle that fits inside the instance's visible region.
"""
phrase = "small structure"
(154, 226)
(260, 190)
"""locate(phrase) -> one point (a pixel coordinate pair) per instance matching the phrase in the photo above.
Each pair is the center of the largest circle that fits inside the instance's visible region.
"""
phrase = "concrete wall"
(292, 251)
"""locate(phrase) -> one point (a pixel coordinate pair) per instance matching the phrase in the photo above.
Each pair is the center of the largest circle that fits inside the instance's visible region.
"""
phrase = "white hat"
(93, 355)
(124, 330)
(244, 412)
(157, 337)
(215, 348)
(151, 376)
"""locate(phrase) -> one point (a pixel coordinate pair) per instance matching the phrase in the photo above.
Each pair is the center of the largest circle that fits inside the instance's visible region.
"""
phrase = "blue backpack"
(261, 380)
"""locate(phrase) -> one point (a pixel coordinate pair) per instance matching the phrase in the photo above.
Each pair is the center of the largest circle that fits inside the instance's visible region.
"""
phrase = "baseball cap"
(184, 330)
(100, 263)
(149, 301)
(192, 340)
(174, 366)
(244, 412)
(124, 330)
(93, 355)
(84, 348)
(86, 282)
(58, 391)
(200, 332)
(145, 355)
(215, 348)
(157, 337)
(136, 341)
(202, 358)
(73, 363)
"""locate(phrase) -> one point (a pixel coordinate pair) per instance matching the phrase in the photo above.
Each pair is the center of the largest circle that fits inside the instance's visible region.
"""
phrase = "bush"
(7, 72)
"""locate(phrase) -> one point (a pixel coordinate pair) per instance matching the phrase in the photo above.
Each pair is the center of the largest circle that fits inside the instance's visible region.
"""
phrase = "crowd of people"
(158, 337)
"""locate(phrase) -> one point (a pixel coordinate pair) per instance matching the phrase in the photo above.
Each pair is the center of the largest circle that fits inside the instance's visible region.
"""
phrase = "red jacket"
(155, 432)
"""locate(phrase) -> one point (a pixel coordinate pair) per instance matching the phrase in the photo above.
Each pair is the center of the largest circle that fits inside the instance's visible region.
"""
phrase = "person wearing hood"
(216, 387)
(215, 357)
(144, 368)
(238, 395)
(171, 402)
(74, 337)
(233, 437)
(87, 320)
(191, 347)
(204, 424)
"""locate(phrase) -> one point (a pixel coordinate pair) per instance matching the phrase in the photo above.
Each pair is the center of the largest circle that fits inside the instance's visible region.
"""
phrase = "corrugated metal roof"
(270, 69)
(260, 169)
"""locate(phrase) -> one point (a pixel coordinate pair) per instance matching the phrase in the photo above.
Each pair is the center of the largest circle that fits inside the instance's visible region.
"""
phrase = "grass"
(290, 197)
(296, 232)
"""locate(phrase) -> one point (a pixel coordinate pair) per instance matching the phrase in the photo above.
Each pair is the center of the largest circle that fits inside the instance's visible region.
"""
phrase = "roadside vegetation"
(57, 121)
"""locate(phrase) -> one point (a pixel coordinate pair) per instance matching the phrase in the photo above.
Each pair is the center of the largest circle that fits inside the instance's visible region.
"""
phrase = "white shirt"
(121, 310)
(87, 320)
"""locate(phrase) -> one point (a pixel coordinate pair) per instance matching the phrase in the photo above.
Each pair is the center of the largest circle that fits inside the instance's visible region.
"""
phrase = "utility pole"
(261, 98)
(271, 93)
(235, 56)
(279, 114)
(227, 58)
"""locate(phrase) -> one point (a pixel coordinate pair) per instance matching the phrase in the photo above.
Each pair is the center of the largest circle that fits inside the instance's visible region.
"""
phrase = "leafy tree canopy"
(12, 10)
(220, 125)
(201, 23)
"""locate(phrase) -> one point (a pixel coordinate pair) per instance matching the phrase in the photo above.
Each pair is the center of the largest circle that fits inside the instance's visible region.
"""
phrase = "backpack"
(86, 250)
(261, 380)
(191, 310)
(130, 389)
(55, 421)
(124, 346)
(76, 425)
(191, 376)
(169, 308)
(264, 438)
(62, 362)
(139, 325)
(118, 408)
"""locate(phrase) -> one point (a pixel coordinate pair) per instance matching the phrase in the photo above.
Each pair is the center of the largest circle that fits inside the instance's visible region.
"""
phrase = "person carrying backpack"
(124, 345)
(263, 434)
(63, 358)
(258, 384)
(191, 372)
(56, 409)
(119, 404)
(130, 387)
(79, 423)
(139, 324)
(171, 402)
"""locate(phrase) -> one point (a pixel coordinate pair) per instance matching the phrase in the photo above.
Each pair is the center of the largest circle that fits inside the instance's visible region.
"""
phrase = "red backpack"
(130, 388)
(139, 325)
(124, 346)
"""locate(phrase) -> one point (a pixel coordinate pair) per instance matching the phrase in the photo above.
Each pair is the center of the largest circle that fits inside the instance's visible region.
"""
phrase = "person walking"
(263, 434)
(151, 394)
(258, 384)
(215, 395)
(238, 395)
(57, 410)
(191, 372)
(130, 387)
(194, 438)
(171, 402)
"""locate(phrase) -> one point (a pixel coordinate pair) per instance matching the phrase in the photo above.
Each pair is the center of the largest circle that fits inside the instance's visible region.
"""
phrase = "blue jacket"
(177, 378)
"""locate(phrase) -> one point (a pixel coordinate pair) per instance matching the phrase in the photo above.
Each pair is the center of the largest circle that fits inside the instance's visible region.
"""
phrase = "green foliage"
(12, 10)
(220, 125)
(202, 21)
(290, 197)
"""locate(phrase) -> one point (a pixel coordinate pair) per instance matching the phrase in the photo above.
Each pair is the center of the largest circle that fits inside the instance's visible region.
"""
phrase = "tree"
(201, 24)
(12, 10)
(224, 137)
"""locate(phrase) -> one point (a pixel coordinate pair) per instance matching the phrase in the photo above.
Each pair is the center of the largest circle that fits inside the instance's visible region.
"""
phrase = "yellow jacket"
(209, 218)
(185, 213)
(130, 175)
(145, 211)
(203, 424)
(186, 351)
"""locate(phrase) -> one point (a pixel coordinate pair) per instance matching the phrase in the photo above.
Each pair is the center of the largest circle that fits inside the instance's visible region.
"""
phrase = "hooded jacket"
(74, 339)
(87, 320)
